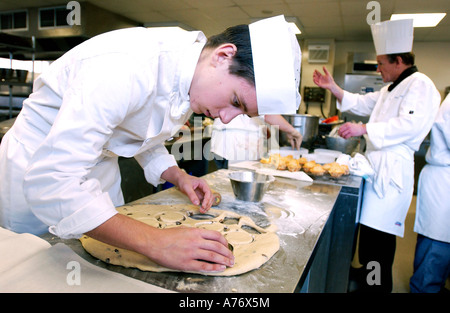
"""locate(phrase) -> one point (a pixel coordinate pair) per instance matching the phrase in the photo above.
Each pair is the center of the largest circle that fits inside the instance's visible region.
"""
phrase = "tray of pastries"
(311, 167)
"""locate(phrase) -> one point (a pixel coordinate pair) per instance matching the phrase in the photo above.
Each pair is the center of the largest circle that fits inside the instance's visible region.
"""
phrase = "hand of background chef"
(295, 139)
(348, 130)
(326, 81)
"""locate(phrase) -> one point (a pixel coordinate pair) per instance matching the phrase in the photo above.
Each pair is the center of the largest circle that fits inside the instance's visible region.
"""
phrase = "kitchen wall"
(432, 59)
(308, 70)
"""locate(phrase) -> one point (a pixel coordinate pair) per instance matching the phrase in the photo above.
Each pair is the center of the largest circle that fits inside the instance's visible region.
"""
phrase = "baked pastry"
(302, 161)
(281, 164)
(308, 165)
(317, 170)
(336, 170)
(293, 165)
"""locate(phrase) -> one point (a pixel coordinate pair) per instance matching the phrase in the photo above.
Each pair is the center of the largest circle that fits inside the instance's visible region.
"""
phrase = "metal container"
(305, 124)
(346, 146)
(250, 186)
(21, 75)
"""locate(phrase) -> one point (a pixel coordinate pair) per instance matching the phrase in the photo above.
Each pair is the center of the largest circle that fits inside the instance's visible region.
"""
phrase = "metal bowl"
(250, 186)
(346, 146)
(305, 124)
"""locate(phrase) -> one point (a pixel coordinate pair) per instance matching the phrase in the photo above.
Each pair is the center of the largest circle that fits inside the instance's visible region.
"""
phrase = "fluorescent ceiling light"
(421, 19)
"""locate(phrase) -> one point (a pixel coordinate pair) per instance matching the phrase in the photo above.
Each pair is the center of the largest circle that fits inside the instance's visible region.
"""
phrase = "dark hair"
(407, 58)
(242, 64)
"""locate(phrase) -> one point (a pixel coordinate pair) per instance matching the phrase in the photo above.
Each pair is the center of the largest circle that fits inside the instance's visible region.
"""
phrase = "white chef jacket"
(240, 140)
(433, 194)
(399, 121)
(122, 93)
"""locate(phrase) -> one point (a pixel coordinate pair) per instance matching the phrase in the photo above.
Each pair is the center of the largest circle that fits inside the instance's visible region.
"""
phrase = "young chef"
(432, 256)
(401, 115)
(124, 93)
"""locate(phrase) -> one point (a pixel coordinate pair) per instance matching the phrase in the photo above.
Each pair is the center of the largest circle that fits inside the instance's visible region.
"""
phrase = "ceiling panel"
(339, 19)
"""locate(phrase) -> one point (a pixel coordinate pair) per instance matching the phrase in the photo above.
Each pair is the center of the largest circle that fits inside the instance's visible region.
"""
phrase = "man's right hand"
(181, 248)
(326, 81)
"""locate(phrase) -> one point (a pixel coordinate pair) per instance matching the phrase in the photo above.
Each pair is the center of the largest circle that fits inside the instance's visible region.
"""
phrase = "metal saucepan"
(305, 124)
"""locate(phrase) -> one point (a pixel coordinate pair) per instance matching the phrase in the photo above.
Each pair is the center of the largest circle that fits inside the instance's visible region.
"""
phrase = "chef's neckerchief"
(409, 71)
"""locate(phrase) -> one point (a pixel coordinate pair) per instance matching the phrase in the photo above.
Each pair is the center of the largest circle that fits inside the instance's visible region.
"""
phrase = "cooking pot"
(305, 124)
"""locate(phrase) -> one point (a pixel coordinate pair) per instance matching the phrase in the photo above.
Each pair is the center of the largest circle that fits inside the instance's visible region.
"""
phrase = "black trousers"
(376, 253)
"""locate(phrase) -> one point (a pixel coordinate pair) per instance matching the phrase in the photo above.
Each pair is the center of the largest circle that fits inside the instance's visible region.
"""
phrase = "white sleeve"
(56, 184)
(361, 105)
(155, 162)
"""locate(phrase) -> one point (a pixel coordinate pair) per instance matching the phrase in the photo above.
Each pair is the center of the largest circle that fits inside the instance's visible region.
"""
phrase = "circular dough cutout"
(211, 226)
(171, 217)
(260, 246)
(239, 237)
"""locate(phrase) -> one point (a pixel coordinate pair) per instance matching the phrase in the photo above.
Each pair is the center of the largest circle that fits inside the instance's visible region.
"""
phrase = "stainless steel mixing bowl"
(250, 186)
(346, 146)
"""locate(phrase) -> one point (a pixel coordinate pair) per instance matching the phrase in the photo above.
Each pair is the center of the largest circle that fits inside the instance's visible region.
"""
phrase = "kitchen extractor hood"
(362, 63)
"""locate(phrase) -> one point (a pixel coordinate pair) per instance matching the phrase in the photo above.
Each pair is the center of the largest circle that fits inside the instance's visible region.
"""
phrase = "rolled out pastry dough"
(252, 245)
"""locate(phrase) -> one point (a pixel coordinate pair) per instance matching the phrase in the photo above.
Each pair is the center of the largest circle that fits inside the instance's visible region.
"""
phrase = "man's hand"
(295, 139)
(348, 130)
(326, 81)
(181, 248)
(197, 189)
(192, 249)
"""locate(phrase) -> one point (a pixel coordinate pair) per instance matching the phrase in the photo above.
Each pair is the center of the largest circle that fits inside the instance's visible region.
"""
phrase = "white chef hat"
(276, 63)
(393, 36)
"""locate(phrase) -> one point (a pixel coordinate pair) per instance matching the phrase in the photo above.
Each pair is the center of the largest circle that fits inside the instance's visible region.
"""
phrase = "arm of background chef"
(361, 105)
(417, 111)
(57, 184)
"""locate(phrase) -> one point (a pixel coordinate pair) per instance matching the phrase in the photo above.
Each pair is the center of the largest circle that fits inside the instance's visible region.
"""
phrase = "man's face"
(216, 93)
(389, 71)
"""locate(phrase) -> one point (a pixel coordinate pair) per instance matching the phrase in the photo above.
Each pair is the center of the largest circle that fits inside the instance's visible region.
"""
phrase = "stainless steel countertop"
(298, 209)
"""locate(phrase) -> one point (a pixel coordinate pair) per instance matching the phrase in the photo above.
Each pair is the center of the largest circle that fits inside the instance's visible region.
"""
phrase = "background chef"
(123, 93)
(401, 115)
(244, 138)
(432, 255)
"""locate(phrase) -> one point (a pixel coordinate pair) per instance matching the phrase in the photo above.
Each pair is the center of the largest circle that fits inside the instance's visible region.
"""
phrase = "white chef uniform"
(433, 197)
(399, 121)
(241, 139)
(124, 93)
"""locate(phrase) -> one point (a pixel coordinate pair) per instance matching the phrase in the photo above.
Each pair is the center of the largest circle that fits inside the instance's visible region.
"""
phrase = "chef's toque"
(276, 63)
(393, 36)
